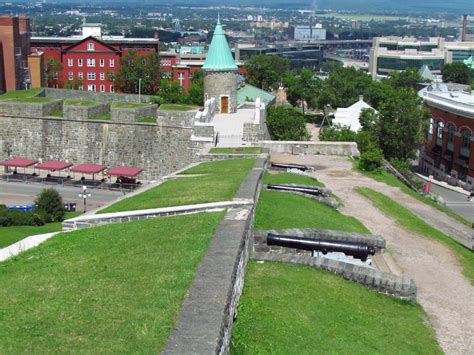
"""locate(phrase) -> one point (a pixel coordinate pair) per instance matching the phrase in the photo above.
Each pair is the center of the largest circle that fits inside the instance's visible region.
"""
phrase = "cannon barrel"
(357, 250)
(307, 190)
(290, 166)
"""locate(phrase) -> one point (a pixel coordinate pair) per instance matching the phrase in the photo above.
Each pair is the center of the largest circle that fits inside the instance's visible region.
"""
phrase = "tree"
(172, 92)
(402, 119)
(287, 123)
(196, 90)
(303, 88)
(331, 65)
(457, 73)
(50, 203)
(53, 72)
(408, 78)
(266, 71)
(74, 84)
(134, 68)
(344, 86)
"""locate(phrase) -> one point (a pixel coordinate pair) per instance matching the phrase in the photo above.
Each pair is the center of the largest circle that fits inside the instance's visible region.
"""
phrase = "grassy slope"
(289, 178)
(81, 102)
(10, 235)
(219, 182)
(119, 104)
(178, 107)
(20, 94)
(391, 180)
(110, 289)
(237, 150)
(290, 309)
(414, 224)
(279, 210)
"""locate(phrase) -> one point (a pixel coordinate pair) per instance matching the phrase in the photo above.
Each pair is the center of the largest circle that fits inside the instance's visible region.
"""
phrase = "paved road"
(12, 193)
(456, 202)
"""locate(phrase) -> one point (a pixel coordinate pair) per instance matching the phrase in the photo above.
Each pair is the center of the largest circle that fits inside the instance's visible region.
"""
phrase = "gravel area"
(443, 291)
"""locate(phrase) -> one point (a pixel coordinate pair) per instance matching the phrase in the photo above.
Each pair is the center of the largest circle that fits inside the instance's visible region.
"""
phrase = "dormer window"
(90, 46)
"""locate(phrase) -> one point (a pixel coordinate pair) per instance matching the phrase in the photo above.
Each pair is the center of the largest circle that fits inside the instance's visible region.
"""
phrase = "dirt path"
(314, 131)
(445, 294)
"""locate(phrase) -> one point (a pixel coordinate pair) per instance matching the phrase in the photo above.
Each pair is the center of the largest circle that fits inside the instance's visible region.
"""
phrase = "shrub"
(338, 133)
(50, 203)
(20, 218)
(371, 160)
(286, 123)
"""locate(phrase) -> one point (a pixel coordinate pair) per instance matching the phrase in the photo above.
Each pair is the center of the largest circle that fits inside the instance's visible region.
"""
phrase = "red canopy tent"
(54, 165)
(127, 171)
(88, 168)
(19, 162)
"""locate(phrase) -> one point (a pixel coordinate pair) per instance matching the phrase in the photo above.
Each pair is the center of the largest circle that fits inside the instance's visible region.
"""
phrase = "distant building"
(310, 33)
(349, 117)
(15, 62)
(400, 53)
(449, 150)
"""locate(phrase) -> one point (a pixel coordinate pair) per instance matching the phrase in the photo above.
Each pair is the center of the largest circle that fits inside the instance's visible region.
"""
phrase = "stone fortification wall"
(159, 150)
(16, 108)
(89, 95)
(217, 84)
(256, 132)
(131, 115)
(312, 148)
(176, 118)
(84, 112)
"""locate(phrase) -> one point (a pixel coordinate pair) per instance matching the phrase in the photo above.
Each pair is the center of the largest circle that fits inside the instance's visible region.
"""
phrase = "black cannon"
(357, 250)
(289, 166)
(306, 190)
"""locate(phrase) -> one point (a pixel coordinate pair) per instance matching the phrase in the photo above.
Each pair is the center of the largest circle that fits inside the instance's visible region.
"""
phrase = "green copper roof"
(250, 93)
(219, 56)
(469, 62)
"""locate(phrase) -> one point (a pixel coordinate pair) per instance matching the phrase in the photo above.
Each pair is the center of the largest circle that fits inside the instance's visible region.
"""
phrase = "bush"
(286, 123)
(338, 133)
(371, 160)
(50, 204)
(20, 218)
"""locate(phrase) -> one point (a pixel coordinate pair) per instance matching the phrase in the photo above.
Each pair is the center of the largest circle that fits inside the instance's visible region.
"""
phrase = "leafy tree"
(172, 92)
(73, 84)
(377, 92)
(408, 78)
(303, 88)
(344, 85)
(331, 65)
(53, 72)
(134, 67)
(287, 123)
(196, 89)
(266, 71)
(50, 203)
(457, 73)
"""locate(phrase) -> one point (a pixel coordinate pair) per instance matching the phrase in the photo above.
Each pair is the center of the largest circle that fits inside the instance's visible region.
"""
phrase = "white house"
(350, 116)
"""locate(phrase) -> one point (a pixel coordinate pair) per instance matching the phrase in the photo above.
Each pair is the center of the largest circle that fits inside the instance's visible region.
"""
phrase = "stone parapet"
(74, 112)
(397, 286)
(29, 109)
(176, 118)
(130, 115)
(89, 95)
(311, 148)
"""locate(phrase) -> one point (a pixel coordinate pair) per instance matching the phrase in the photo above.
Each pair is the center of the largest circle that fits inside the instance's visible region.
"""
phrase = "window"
(451, 134)
(55, 75)
(101, 62)
(111, 62)
(181, 79)
(91, 87)
(70, 75)
(465, 143)
(91, 76)
(79, 62)
(112, 89)
(90, 46)
(70, 62)
(90, 62)
(102, 76)
(80, 75)
(80, 87)
(439, 133)
(102, 88)
(430, 129)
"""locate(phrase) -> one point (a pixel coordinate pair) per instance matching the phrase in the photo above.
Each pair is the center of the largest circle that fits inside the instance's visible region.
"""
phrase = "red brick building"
(449, 150)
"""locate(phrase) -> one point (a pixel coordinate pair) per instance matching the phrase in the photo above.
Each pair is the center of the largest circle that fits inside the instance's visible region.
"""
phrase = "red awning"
(19, 162)
(128, 171)
(54, 165)
(88, 168)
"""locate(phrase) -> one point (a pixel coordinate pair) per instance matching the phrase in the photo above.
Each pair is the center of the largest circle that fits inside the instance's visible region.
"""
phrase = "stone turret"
(220, 73)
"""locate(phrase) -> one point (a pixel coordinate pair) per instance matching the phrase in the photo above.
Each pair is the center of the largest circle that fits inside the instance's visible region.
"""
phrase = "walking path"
(443, 291)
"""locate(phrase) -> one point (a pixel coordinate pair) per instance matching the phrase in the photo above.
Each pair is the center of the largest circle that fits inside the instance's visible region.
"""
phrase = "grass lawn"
(389, 179)
(32, 100)
(279, 210)
(290, 178)
(416, 225)
(292, 309)
(111, 289)
(148, 120)
(119, 104)
(103, 116)
(10, 235)
(236, 150)
(20, 94)
(219, 182)
(81, 102)
(56, 113)
(178, 107)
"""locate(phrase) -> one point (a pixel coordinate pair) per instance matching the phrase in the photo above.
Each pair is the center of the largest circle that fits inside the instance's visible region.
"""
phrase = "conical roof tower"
(220, 73)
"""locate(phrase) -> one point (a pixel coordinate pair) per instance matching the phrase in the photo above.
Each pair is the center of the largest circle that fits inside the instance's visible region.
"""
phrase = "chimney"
(464, 28)
(361, 97)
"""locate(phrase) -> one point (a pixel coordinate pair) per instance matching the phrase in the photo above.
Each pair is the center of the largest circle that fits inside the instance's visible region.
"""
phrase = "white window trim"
(102, 76)
(111, 63)
(90, 62)
(80, 62)
(90, 46)
(102, 88)
(70, 62)
(102, 62)
(70, 75)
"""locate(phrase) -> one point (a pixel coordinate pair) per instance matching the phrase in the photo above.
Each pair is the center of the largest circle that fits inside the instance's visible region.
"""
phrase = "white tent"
(350, 116)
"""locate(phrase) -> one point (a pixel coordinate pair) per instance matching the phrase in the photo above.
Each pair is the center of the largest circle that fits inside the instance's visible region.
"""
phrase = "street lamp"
(139, 89)
(84, 195)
